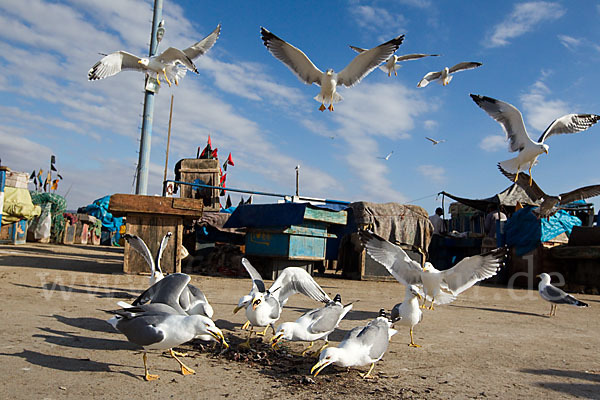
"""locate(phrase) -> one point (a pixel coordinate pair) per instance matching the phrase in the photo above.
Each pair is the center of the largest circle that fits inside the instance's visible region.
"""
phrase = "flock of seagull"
(172, 311)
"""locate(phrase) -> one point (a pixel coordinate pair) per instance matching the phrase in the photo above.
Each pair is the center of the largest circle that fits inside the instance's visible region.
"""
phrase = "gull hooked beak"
(276, 340)
(219, 336)
(139, 61)
(537, 276)
(238, 308)
(318, 367)
(545, 150)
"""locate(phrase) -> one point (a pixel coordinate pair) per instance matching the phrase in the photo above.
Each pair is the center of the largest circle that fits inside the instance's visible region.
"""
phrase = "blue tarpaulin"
(99, 209)
(525, 231)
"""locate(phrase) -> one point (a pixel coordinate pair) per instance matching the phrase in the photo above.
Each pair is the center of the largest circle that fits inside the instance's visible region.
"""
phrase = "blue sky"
(542, 57)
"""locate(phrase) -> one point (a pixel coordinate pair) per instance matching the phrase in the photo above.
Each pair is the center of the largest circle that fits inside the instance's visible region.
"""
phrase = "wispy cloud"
(524, 18)
(430, 124)
(538, 109)
(569, 42)
(376, 19)
(493, 143)
(432, 172)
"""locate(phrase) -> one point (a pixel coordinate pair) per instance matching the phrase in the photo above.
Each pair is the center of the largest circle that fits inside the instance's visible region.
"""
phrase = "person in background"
(438, 222)
(493, 215)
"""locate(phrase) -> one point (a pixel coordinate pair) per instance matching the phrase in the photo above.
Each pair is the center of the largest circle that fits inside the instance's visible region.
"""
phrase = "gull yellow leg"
(322, 348)
(530, 178)
(246, 325)
(147, 376)
(395, 73)
(517, 176)
(368, 374)
(158, 79)
(412, 342)
(263, 332)
(185, 370)
(166, 77)
(390, 73)
(431, 306)
(246, 344)
(308, 348)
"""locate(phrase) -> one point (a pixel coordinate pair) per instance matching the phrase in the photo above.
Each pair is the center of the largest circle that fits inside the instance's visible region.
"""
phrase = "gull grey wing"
(292, 57)
(580, 194)
(326, 319)
(357, 49)
(376, 335)
(556, 295)
(570, 123)
(173, 56)
(167, 291)
(257, 281)
(142, 330)
(431, 76)
(464, 66)
(138, 244)
(533, 190)
(161, 249)
(471, 270)
(275, 307)
(508, 117)
(415, 56)
(201, 47)
(114, 63)
(393, 258)
(294, 280)
(367, 61)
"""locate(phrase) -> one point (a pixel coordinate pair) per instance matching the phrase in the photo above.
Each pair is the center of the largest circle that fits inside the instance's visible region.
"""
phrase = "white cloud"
(430, 124)
(524, 18)
(569, 42)
(432, 172)
(540, 111)
(376, 19)
(493, 143)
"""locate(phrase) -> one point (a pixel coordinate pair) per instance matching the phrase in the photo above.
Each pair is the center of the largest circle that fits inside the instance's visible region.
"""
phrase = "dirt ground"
(490, 343)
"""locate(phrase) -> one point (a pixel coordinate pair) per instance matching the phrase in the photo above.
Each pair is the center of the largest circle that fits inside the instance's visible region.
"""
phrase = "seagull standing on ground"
(456, 280)
(511, 120)
(550, 204)
(158, 326)
(361, 346)
(556, 296)
(263, 307)
(308, 73)
(445, 76)
(314, 325)
(171, 62)
(393, 63)
(408, 312)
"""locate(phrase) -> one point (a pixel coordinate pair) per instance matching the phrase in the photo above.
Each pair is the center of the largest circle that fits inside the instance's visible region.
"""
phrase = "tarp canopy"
(508, 198)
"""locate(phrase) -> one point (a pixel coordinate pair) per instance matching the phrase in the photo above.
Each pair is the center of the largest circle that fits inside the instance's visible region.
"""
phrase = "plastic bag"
(42, 229)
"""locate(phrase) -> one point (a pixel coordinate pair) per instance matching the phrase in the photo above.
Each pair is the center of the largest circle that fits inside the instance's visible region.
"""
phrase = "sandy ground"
(490, 343)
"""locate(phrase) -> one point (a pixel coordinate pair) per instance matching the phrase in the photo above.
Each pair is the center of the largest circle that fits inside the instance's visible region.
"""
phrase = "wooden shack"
(203, 171)
(151, 217)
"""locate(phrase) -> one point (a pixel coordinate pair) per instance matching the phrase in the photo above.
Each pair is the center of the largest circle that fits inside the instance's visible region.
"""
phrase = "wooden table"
(151, 217)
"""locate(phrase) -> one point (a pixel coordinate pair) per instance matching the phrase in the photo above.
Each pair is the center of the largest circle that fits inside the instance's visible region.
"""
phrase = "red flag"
(209, 142)
(223, 178)
(213, 154)
(230, 160)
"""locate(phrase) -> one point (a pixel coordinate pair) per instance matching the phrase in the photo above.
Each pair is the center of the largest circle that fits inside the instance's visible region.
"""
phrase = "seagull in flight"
(387, 157)
(393, 63)
(511, 120)
(172, 62)
(308, 73)
(434, 142)
(445, 76)
(550, 204)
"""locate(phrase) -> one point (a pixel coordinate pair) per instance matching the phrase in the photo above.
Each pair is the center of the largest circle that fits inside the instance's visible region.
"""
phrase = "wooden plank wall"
(152, 228)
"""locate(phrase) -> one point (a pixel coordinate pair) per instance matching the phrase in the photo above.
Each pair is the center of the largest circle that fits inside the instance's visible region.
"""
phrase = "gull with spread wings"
(550, 204)
(308, 73)
(263, 307)
(445, 76)
(434, 142)
(172, 62)
(511, 120)
(455, 280)
(393, 63)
